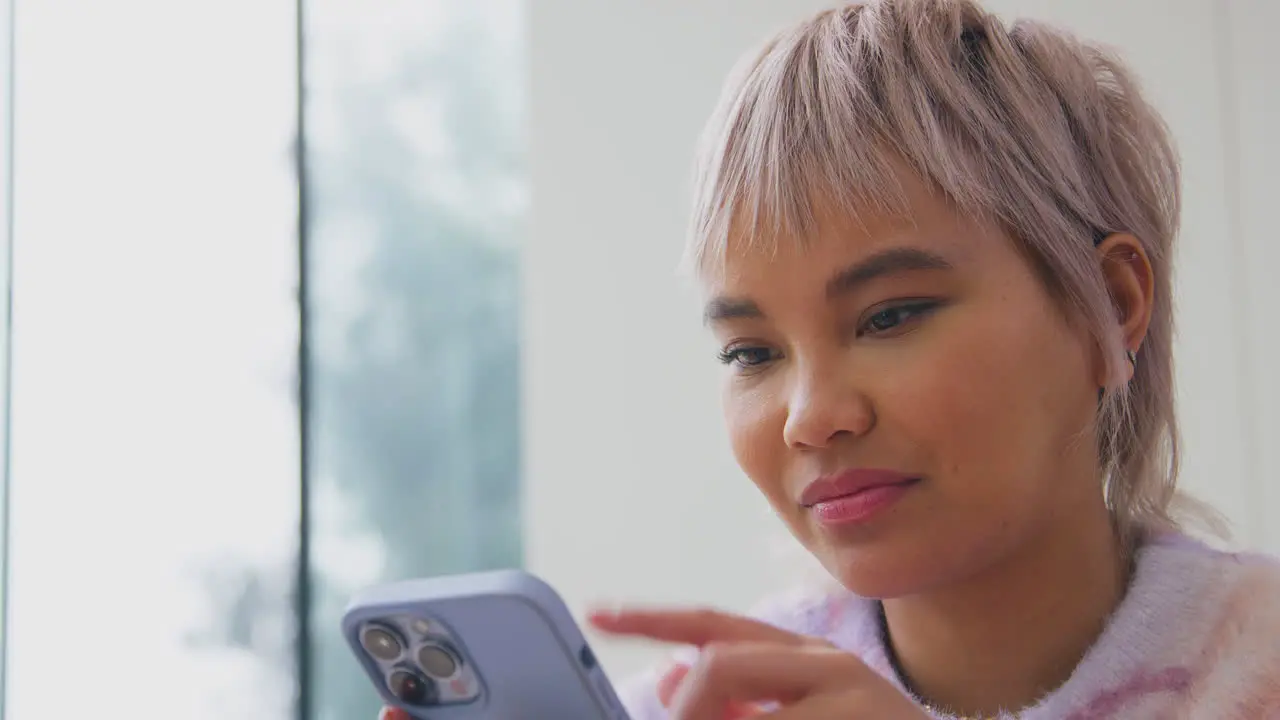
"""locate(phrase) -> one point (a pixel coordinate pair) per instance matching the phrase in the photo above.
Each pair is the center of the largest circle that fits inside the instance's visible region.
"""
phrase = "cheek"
(754, 419)
(996, 402)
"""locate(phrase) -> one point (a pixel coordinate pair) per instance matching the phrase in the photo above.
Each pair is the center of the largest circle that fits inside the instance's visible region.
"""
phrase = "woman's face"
(907, 396)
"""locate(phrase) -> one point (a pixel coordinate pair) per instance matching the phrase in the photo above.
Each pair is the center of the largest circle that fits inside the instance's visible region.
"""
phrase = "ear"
(1126, 269)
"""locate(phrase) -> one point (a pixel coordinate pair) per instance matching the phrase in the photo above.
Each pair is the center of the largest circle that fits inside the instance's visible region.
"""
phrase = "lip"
(854, 496)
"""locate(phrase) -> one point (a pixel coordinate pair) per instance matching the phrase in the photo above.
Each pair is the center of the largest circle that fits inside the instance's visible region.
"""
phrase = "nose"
(824, 406)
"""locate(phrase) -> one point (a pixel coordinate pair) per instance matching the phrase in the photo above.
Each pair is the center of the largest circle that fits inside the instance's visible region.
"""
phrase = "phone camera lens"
(437, 661)
(381, 643)
(411, 688)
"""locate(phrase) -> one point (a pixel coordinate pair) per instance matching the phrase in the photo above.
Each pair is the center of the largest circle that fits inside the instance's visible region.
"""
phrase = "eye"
(747, 357)
(895, 318)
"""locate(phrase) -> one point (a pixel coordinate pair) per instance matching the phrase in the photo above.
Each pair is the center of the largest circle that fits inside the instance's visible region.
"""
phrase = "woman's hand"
(746, 666)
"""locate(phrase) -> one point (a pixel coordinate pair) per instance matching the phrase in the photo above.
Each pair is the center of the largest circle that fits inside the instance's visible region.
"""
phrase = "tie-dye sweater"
(1197, 636)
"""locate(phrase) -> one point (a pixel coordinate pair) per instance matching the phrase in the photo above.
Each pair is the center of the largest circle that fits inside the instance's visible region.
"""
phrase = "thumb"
(670, 683)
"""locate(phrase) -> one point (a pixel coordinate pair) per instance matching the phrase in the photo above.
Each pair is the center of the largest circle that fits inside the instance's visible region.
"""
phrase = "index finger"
(692, 627)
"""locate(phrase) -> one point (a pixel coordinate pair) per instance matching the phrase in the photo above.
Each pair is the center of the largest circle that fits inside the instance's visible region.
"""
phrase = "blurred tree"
(415, 384)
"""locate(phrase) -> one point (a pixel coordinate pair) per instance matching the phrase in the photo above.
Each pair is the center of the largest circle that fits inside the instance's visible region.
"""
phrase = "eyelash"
(913, 310)
(733, 356)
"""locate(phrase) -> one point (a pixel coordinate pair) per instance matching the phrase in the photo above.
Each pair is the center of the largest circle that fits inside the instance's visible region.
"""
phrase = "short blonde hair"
(1024, 125)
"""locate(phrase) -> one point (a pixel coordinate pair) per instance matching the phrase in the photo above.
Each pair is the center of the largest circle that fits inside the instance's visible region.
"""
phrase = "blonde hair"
(1024, 125)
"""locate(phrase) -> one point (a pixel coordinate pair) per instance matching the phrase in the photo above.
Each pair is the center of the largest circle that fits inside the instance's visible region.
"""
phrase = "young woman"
(937, 253)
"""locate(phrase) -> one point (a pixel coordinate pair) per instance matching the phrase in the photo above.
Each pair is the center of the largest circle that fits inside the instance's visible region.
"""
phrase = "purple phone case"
(514, 631)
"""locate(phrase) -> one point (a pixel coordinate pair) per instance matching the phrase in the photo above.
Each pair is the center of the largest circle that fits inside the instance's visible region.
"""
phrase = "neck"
(1005, 638)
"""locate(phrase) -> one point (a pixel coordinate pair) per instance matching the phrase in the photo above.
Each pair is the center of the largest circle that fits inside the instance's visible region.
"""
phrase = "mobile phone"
(497, 645)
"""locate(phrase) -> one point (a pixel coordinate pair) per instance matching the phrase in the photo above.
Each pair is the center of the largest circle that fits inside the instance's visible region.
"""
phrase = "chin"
(887, 570)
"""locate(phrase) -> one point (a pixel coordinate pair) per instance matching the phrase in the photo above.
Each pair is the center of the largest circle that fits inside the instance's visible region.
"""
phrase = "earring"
(1133, 358)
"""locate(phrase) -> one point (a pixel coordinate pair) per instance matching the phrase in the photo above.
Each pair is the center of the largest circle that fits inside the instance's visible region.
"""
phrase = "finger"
(726, 675)
(693, 627)
(669, 685)
(850, 704)
(390, 713)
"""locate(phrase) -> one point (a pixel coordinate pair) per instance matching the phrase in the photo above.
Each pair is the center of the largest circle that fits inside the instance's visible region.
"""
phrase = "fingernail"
(394, 714)
(670, 683)
(605, 614)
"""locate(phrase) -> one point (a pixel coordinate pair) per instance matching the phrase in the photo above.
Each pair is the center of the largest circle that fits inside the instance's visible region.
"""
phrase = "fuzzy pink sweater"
(1197, 636)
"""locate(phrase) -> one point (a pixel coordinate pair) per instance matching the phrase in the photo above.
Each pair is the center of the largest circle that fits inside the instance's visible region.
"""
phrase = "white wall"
(631, 492)
(1249, 62)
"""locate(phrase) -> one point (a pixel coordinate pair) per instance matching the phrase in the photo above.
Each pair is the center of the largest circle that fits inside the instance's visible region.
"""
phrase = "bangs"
(833, 112)
(796, 131)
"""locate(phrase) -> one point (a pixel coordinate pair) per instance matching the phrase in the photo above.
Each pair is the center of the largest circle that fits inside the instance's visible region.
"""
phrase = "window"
(160, 505)
(154, 474)
(416, 194)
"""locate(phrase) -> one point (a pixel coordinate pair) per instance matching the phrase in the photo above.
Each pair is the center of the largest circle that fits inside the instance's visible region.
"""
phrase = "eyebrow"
(881, 264)
(888, 262)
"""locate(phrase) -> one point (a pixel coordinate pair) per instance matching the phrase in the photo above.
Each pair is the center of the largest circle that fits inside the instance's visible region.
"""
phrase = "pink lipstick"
(854, 496)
